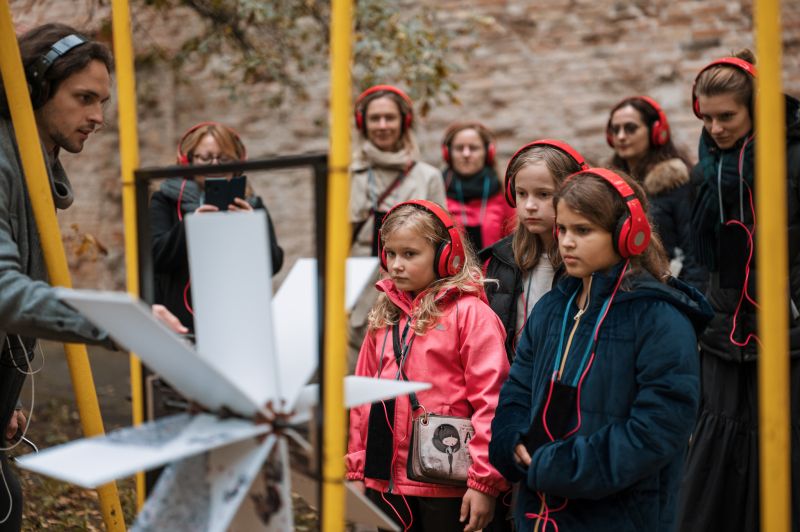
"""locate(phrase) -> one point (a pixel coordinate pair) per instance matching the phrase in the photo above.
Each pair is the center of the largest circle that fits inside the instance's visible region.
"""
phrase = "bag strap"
(358, 226)
(400, 354)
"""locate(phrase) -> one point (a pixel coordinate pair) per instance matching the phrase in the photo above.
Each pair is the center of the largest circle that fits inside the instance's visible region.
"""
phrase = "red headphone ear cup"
(359, 119)
(621, 235)
(446, 153)
(441, 260)
(659, 133)
(491, 152)
(183, 160)
(696, 107)
(409, 119)
(511, 197)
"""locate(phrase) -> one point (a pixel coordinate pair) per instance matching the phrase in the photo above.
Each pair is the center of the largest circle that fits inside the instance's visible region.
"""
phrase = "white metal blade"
(268, 505)
(295, 312)
(132, 325)
(360, 271)
(231, 274)
(203, 493)
(95, 461)
(358, 391)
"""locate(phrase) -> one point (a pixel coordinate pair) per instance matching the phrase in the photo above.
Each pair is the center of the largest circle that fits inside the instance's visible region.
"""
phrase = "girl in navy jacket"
(595, 417)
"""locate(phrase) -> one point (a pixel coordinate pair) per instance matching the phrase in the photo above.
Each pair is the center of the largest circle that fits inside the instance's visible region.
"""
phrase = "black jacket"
(170, 260)
(503, 295)
(723, 294)
(670, 196)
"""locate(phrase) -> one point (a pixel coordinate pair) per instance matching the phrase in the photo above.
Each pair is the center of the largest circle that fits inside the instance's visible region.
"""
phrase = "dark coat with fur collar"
(670, 195)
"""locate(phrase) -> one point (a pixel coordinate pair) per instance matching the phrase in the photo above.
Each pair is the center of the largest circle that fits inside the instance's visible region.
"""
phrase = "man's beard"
(63, 142)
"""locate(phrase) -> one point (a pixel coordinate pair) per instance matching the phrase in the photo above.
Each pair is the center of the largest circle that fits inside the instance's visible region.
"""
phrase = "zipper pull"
(579, 314)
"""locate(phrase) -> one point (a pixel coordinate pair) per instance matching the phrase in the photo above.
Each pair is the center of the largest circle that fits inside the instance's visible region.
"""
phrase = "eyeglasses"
(629, 127)
(199, 158)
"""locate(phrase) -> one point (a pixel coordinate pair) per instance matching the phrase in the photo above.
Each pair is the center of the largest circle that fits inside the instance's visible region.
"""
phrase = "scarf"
(370, 156)
(720, 196)
(465, 188)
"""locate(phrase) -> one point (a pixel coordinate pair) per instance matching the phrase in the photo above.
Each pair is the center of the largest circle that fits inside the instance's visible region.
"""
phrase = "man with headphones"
(69, 77)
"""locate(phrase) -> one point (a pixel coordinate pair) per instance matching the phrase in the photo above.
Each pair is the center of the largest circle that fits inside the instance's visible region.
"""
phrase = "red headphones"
(483, 131)
(511, 198)
(632, 233)
(659, 130)
(363, 100)
(183, 158)
(735, 62)
(449, 258)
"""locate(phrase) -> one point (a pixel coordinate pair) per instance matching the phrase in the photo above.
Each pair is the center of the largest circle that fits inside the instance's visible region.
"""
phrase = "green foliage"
(278, 43)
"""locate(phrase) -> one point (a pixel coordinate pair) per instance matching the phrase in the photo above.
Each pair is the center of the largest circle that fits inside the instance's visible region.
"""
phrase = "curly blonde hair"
(469, 280)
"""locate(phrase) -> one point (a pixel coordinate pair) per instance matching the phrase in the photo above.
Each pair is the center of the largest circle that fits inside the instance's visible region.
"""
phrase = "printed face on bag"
(534, 189)
(409, 259)
(383, 123)
(585, 247)
(76, 109)
(725, 119)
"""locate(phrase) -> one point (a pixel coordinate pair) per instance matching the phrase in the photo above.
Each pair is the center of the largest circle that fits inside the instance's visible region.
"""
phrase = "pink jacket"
(464, 357)
(499, 219)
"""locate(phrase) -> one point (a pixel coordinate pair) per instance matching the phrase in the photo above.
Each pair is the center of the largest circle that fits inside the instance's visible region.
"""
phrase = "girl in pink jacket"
(431, 323)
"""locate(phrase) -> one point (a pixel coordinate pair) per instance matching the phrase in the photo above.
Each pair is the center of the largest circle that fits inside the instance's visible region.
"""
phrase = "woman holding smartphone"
(205, 143)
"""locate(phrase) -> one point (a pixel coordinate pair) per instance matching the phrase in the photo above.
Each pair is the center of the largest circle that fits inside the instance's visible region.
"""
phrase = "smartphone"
(221, 192)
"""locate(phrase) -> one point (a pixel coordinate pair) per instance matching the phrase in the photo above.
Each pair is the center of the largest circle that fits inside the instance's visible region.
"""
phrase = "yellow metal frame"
(338, 239)
(129, 161)
(772, 257)
(44, 212)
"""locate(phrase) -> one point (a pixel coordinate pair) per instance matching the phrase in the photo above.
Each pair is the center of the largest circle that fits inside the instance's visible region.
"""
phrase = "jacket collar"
(406, 303)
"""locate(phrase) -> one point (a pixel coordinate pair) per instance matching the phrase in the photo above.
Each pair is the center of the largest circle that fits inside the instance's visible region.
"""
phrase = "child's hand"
(521, 455)
(478, 507)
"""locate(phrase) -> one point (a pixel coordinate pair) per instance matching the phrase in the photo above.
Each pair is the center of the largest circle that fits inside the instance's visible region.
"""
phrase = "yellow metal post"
(773, 360)
(50, 236)
(129, 160)
(338, 236)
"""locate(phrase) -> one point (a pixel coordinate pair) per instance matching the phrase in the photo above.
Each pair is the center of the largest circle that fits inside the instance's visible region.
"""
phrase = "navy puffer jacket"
(621, 469)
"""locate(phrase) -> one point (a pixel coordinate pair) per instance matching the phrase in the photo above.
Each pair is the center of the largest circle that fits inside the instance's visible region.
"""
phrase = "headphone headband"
(450, 256)
(659, 130)
(37, 70)
(484, 132)
(560, 145)
(360, 114)
(741, 64)
(183, 158)
(633, 232)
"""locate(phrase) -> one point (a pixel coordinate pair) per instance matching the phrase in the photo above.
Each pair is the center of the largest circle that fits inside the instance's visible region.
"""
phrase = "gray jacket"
(28, 306)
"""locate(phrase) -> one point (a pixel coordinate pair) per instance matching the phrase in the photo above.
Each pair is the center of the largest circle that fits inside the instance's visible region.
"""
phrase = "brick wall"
(537, 70)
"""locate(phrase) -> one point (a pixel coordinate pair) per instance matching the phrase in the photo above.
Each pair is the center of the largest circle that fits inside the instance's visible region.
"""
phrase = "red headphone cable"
(547, 510)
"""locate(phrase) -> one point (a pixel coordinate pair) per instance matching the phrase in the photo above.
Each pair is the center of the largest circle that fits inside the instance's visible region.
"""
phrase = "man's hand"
(16, 423)
(478, 507)
(166, 317)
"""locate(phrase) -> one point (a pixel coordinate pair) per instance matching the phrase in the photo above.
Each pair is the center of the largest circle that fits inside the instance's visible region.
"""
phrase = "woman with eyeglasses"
(206, 143)
(639, 133)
